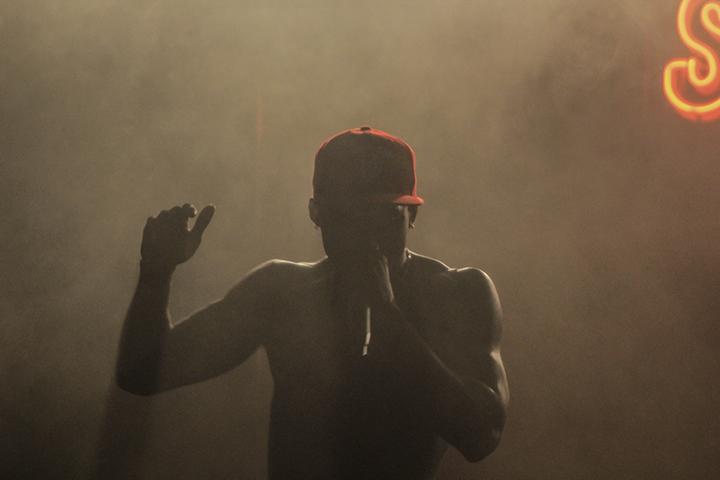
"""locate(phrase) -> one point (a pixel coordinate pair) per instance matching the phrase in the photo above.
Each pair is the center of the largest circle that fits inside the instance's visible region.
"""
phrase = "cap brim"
(382, 198)
(409, 200)
(394, 198)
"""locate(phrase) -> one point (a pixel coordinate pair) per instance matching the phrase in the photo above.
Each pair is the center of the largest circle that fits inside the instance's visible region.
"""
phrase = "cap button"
(365, 128)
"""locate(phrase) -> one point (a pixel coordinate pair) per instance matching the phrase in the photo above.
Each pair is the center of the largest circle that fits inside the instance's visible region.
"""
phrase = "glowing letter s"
(701, 69)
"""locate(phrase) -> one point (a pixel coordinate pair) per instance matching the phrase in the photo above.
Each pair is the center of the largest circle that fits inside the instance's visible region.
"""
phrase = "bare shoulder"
(278, 268)
(475, 282)
(467, 291)
(284, 271)
(466, 279)
(278, 275)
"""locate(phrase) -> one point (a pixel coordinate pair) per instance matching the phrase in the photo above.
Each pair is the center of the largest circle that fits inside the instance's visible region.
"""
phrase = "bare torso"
(335, 413)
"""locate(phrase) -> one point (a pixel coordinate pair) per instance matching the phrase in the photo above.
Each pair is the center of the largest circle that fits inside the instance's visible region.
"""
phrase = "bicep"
(218, 337)
(474, 346)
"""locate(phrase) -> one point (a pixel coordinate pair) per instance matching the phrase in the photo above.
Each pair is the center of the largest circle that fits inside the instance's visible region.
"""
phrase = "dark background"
(547, 156)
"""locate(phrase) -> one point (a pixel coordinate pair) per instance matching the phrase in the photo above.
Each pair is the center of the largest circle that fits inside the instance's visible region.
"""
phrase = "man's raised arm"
(155, 355)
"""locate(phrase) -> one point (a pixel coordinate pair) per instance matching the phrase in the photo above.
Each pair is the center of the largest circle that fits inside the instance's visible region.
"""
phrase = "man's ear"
(314, 211)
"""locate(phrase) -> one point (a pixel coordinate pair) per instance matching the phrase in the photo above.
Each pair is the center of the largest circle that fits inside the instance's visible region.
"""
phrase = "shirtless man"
(380, 357)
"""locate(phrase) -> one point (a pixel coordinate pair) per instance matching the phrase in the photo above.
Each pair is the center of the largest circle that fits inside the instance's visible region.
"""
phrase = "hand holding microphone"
(377, 288)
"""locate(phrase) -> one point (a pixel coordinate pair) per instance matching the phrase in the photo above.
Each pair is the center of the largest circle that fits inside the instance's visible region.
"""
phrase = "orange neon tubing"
(679, 71)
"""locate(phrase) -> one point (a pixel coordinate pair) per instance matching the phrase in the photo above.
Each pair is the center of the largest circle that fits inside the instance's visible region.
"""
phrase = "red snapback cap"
(366, 165)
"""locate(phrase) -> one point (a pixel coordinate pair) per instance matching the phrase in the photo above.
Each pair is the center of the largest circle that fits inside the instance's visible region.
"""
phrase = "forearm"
(144, 329)
(464, 411)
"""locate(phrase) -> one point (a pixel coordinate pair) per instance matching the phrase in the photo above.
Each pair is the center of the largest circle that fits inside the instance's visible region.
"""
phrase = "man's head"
(364, 193)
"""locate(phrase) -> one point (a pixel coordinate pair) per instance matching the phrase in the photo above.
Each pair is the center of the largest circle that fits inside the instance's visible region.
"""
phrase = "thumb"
(203, 220)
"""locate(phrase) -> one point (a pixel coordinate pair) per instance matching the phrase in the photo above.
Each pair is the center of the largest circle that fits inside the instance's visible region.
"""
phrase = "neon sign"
(699, 72)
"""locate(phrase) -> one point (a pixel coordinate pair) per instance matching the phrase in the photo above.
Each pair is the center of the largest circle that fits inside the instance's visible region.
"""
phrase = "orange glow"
(700, 70)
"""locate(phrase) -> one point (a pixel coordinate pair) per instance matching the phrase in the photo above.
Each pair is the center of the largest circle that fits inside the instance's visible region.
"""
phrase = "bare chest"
(316, 341)
(327, 399)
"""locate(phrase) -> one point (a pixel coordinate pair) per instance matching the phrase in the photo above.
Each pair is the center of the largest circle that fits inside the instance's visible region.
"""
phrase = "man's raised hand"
(167, 241)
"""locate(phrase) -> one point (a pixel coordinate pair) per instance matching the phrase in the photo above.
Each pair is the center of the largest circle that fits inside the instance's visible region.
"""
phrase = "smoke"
(546, 154)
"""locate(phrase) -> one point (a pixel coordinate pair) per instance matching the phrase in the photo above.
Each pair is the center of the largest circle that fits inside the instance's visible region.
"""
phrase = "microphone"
(368, 332)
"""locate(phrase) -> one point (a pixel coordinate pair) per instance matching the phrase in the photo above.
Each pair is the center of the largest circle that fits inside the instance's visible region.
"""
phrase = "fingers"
(374, 256)
(203, 220)
(184, 212)
(380, 269)
(175, 214)
(148, 229)
(189, 209)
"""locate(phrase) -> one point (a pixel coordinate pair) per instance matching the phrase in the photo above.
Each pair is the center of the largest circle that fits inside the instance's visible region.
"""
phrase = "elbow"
(483, 434)
(140, 390)
(478, 449)
(136, 384)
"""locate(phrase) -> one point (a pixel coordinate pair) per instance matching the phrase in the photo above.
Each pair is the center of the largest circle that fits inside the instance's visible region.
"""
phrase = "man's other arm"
(460, 384)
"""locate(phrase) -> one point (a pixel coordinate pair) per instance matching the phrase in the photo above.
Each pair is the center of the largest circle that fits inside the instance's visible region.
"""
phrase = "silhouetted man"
(380, 357)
